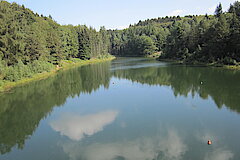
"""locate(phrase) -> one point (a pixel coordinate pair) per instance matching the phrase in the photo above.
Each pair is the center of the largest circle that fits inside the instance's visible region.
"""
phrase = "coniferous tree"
(218, 10)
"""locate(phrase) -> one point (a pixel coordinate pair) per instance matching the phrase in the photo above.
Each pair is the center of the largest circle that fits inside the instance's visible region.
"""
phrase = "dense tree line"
(138, 40)
(31, 44)
(208, 39)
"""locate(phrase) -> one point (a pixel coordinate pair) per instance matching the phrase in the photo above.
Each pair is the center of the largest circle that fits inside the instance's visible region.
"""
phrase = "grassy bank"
(65, 64)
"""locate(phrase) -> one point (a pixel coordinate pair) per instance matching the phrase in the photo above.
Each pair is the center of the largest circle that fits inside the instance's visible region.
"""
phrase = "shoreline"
(232, 67)
(7, 85)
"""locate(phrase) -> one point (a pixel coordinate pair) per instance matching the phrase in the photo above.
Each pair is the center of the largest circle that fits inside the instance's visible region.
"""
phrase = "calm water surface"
(128, 109)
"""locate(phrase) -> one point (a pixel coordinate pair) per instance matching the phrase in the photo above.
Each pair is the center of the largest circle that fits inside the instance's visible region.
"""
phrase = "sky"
(118, 14)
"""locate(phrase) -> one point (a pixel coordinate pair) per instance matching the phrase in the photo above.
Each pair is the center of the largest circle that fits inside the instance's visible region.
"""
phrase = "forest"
(193, 38)
(32, 43)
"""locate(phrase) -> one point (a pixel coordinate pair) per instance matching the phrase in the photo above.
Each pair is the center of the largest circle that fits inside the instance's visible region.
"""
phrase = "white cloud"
(176, 12)
(77, 126)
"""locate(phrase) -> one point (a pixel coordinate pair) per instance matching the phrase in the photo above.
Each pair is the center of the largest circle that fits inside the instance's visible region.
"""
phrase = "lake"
(127, 109)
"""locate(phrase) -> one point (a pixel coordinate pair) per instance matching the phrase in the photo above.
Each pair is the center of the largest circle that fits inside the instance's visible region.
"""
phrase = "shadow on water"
(22, 110)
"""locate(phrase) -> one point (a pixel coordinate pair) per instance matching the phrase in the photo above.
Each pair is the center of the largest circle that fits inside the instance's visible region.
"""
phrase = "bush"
(23, 70)
(41, 66)
(229, 61)
(11, 74)
(20, 71)
(102, 56)
(1, 83)
(2, 69)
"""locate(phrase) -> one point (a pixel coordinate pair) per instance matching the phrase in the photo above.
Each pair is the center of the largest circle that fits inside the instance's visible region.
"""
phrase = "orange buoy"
(209, 142)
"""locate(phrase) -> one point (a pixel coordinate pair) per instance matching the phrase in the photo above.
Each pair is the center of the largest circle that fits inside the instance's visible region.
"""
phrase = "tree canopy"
(203, 38)
(31, 44)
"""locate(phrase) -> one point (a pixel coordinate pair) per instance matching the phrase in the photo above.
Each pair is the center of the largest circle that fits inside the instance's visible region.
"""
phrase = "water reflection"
(221, 85)
(22, 110)
(77, 127)
(219, 154)
(166, 147)
(215, 152)
(163, 146)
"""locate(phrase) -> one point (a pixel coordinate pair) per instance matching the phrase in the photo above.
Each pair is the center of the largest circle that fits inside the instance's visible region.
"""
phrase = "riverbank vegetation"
(31, 44)
(204, 39)
(6, 85)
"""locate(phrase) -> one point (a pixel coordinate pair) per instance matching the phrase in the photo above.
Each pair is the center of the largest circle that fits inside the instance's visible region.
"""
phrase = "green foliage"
(91, 42)
(205, 39)
(20, 70)
(137, 40)
(11, 74)
(142, 45)
(235, 8)
(229, 61)
(104, 56)
(69, 40)
(31, 44)
(2, 69)
(218, 10)
(40, 66)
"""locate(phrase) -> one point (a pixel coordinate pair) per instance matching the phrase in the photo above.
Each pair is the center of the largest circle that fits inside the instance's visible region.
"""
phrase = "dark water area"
(127, 109)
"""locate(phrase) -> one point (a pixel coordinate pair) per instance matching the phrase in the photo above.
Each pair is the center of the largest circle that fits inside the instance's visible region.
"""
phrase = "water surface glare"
(127, 109)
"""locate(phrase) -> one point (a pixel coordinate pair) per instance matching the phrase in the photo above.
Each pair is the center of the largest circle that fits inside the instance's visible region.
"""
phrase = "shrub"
(2, 69)
(102, 56)
(11, 74)
(229, 61)
(41, 66)
(1, 83)
(20, 70)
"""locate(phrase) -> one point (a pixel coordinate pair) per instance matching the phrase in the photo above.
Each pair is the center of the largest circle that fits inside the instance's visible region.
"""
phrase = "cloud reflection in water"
(77, 126)
(219, 154)
(169, 147)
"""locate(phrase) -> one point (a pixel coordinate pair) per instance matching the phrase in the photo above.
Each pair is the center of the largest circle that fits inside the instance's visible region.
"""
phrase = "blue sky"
(118, 13)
